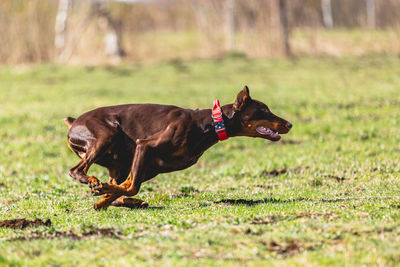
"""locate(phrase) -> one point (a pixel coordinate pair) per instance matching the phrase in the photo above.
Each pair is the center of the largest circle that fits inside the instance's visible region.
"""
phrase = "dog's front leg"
(128, 188)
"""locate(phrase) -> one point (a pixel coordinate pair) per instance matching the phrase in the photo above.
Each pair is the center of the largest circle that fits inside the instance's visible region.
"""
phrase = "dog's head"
(255, 118)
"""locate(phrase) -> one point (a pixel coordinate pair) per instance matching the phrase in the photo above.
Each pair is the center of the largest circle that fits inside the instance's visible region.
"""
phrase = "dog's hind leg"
(95, 147)
(79, 171)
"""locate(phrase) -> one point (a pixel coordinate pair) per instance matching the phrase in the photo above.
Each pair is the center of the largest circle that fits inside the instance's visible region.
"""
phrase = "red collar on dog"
(218, 121)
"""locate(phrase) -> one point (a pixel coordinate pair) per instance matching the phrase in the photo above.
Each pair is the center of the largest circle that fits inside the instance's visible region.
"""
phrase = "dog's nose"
(289, 125)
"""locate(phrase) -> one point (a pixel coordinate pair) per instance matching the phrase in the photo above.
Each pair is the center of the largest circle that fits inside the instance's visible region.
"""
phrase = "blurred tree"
(112, 41)
(283, 15)
(61, 26)
(164, 29)
(230, 25)
(327, 16)
(72, 42)
(371, 21)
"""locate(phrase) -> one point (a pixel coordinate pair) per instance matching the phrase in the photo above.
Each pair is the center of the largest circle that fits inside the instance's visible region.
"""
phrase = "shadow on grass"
(155, 208)
(143, 207)
(250, 202)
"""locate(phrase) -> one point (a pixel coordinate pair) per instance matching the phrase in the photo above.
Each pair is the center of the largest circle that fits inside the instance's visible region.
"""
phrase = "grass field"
(328, 193)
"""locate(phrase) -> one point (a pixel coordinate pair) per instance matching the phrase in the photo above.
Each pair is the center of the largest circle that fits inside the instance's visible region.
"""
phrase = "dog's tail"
(68, 121)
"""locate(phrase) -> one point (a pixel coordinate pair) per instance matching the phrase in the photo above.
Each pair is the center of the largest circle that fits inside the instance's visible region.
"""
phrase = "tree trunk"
(327, 16)
(67, 52)
(370, 5)
(61, 29)
(199, 13)
(112, 41)
(229, 25)
(283, 15)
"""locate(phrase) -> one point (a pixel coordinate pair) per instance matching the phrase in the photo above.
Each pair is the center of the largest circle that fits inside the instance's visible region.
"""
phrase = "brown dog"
(144, 140)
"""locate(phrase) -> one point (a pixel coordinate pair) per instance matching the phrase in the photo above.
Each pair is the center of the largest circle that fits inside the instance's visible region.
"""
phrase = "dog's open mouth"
(274, 136)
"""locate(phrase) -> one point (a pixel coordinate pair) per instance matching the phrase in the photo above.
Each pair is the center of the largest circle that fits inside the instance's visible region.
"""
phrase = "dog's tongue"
(267, 131)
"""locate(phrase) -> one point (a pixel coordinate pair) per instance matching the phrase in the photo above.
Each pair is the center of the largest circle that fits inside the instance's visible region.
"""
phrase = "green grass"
(337, 204)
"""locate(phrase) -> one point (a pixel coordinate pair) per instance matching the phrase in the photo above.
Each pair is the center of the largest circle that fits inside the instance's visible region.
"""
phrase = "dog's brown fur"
(144, 140)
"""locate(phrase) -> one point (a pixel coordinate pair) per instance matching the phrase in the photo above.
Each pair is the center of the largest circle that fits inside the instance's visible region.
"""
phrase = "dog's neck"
(204, 122)
(231, 122)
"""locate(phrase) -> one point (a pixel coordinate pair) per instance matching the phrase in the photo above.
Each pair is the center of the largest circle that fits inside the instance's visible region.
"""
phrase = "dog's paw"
(93, 181)
(100, 206)
(95, 186)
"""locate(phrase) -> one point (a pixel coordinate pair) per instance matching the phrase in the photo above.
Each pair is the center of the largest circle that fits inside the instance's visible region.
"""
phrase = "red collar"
(219, 121)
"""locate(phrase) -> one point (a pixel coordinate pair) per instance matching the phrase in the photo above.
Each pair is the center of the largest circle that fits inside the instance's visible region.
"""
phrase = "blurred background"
(94, 32)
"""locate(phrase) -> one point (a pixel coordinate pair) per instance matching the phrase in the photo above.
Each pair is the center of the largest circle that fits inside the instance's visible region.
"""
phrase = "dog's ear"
(241, 100)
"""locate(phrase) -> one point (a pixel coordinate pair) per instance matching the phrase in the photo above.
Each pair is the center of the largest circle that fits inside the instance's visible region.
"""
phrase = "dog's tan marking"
(181, 151)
